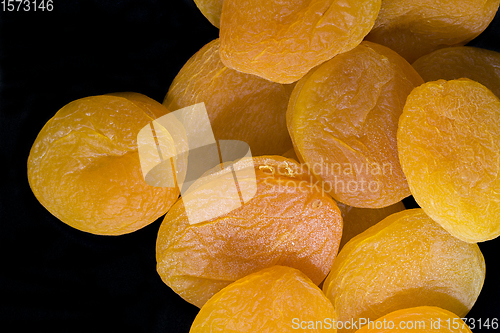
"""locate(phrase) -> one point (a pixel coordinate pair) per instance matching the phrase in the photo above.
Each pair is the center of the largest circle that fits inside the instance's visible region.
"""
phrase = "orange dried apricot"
(452, 63)
(84, 165)
(420, 319)
(288, 222)
(449, 148)
(240, 106)
(343, 118)
(211, 9)
(357, 220)
(415, 28)
(282, 40)
(405, 260)
(276, 299)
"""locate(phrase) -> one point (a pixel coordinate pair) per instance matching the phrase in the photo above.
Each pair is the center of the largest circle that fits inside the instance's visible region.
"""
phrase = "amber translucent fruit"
(405, 260)
(240, 106)
(84, 165)
(452, 63)
(415, 28)
(422, 319)
(357, 220)
(270, 300)
(343, 118)
(448, 140)
(288, 222)
(282, 40)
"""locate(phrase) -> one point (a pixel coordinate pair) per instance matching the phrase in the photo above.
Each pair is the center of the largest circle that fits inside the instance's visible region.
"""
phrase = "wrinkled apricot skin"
(270, 300)
(420, 319)
(415, 28)
(356, 220)
(282, 40)
(453, 63)
(449, 148)
(211, 9)
(84, 165)
(405, 260)
(343, 117)
(288, 222)
(240, 106)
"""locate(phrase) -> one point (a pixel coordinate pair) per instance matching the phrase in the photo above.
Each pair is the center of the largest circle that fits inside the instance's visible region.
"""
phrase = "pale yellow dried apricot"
(240, 106)
(282, 40)
(405, 260)
(288, 222)
(277, 299)
(449, 148)
(422, 319)
(343, 118)
(452, 63)
(84, 165)
(415, 28)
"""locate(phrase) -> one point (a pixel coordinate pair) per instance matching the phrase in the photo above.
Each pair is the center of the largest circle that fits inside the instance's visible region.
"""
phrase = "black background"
(57, 279)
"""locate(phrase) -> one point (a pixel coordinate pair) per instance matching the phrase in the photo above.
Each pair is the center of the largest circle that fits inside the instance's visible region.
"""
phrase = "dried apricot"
(405, 260)
(343, 118)
(420, 319)
(240, 106)
(415, 28)
(276, 299)
(84, 165)
(357, 220)
(289, 222)
(452, 63)
(282, 40)
(449, 148)
(211, 9)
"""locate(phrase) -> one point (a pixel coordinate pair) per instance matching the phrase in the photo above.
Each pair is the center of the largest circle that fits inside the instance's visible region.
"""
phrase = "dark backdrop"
(57, 279)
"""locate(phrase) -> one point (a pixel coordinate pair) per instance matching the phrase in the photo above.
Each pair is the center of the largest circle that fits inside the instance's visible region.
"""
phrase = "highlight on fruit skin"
(282, 40)
(458, 62)
(290, 222)
(343, 120)
(84, 165)
(275, 299)
(449, 149)
(420, 319)
(406, 260)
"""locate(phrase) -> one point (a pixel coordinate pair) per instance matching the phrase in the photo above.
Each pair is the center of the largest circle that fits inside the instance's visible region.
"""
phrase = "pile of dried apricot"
(358, 129)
